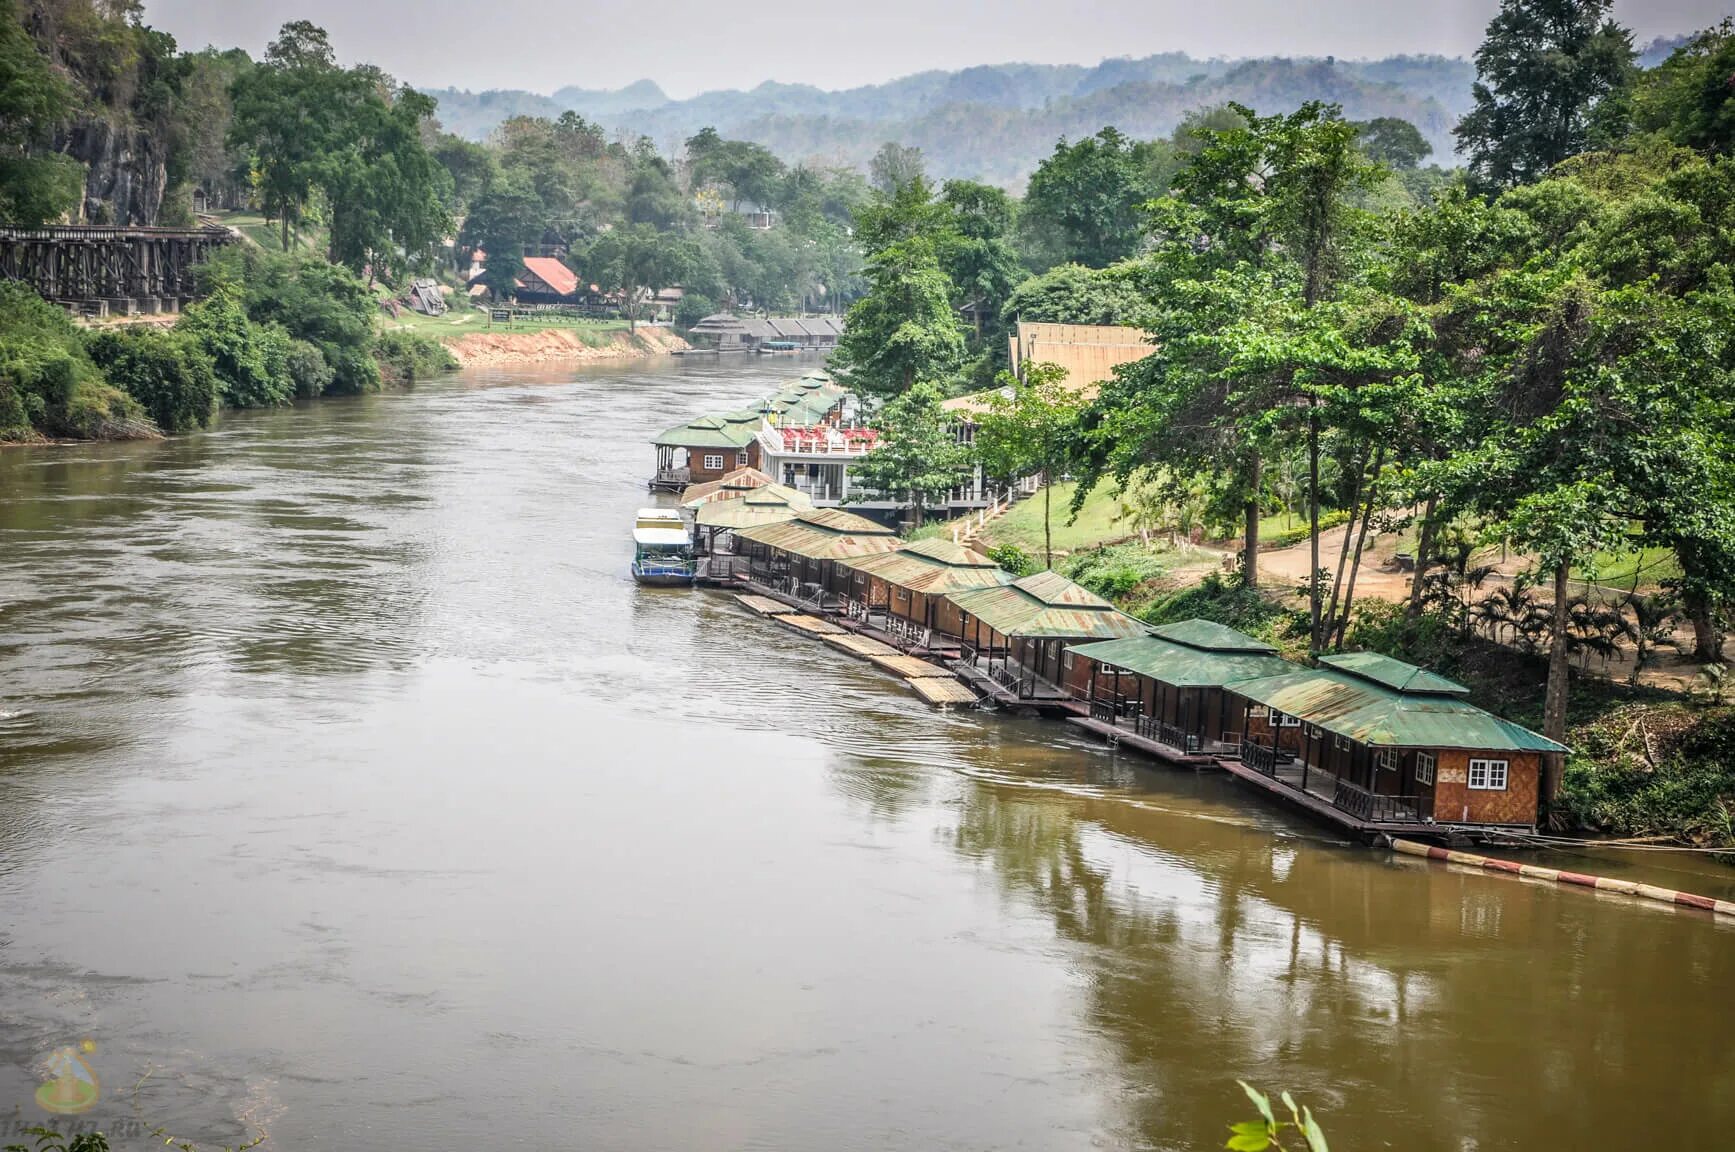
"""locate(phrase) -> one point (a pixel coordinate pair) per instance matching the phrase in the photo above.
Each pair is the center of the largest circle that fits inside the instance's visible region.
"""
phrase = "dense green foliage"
(48, 384)
(169, 373)
(406, 357)
(919, 457)
(35, 185)
(350, 135)
(1545, 77)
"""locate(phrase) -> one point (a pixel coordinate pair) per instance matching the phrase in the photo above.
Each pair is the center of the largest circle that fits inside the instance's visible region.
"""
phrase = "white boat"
(662, 550)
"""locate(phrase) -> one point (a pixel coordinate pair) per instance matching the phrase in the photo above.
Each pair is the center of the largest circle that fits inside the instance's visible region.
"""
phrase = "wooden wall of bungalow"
(1400, 733)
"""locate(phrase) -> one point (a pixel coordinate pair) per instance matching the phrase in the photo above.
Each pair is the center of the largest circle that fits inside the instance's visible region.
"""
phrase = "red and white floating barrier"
(1560, 876)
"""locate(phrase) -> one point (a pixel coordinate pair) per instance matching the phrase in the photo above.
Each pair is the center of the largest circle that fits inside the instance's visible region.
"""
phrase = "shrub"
(48, 384)
(312, 300)
(166, 372)
(251, 360)
(308, 370)
(1012, 558)
(1115, 572)
(693, 308)
(405, 357)
(1655, 770)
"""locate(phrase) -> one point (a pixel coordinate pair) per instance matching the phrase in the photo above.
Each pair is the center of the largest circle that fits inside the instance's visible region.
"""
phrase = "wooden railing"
(1103, 710)
(1176, 737)
(1354, 800)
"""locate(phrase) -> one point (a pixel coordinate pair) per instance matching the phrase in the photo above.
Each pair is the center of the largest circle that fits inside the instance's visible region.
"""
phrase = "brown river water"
(350, 791)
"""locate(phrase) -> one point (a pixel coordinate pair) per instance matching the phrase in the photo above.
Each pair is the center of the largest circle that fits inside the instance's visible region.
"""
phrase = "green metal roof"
(1212, 637)
(709, 432)
(1049, 608)
(1371, 713)
(1394, 674)
(824, 534)
(1183, 665)
(933, 566)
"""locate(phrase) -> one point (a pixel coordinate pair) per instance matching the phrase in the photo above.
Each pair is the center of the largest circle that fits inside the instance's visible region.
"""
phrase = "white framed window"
(901, 593)
(741, 459)
(1284, 720)
(1066, 660)
(1488, 775)
(1424, 767)
(1340, 742)
(713, 462)
(1387, 759)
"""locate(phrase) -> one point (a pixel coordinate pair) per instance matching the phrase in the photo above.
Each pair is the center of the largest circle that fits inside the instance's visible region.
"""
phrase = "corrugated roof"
(1055, 589)
(1211, 636)
(730, 486)
(824, 534)
(933, 566)
(1394, 674)
(1371, 713)
(709, 432)
(772, 504)
(1182, 665)
(552, 273)
(1051, 611)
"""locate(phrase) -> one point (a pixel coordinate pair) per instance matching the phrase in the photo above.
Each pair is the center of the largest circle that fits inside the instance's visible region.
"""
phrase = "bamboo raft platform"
(942, 693)
(911, 668)
(861, 646)
(766, 606)
(810, 624)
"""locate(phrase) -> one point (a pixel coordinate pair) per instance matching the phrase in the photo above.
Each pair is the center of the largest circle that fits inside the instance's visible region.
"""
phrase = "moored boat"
(662, 550)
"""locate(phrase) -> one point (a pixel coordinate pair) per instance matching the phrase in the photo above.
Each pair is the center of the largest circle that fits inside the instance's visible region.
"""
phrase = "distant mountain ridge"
(996, 122)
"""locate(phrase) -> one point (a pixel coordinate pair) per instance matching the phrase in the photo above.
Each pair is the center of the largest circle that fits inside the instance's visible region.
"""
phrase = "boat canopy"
(661, 537)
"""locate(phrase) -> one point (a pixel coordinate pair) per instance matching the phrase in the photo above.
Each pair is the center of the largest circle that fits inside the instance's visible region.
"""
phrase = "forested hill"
(995, 122)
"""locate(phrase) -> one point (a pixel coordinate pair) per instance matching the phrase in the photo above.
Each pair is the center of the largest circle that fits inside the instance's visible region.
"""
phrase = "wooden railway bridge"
(98, 271)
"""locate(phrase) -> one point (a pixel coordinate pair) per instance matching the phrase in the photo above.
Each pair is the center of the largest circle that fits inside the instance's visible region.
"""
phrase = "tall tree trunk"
(1343, 552)
(1250, 545)
(1361, 541)
(1707, 644)
(1424, 546)
(1047, 520)
(1554, 702)
(1313, 516)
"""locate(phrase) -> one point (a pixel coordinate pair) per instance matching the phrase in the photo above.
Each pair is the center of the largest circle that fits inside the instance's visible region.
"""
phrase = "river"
(350, 792)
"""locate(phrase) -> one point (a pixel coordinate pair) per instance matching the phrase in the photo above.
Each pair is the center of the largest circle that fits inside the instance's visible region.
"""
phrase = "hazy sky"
(688, 46)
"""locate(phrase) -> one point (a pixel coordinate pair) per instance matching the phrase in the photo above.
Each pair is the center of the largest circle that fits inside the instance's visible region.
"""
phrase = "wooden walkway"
(933, 683)
(1126, 738)
(1322, 809)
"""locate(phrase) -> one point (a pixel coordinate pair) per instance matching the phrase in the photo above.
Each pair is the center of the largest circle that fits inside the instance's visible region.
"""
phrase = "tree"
(1393, 142)
(1074, 294)
(975, 251)
(499, 220)
(33, 99)
(1543, 71)
(918, 457)
(904, 329)
(1087, 196)
(1030, 427)
(638, 262)
(894, 167)
(351, 134)
(1687, 98)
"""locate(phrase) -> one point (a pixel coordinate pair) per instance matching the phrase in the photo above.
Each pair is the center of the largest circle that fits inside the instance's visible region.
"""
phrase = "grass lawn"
(266, 233)
(462, 320)
(1650, 567)
(1099, 521)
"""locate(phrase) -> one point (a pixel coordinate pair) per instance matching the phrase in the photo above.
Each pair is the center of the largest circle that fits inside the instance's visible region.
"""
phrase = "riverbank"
(559, 345)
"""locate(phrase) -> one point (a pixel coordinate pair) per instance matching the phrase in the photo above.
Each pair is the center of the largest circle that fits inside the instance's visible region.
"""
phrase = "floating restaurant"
(801, 557)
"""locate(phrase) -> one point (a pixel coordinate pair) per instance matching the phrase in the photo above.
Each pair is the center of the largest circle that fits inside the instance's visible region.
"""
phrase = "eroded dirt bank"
(562, 344)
